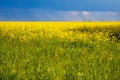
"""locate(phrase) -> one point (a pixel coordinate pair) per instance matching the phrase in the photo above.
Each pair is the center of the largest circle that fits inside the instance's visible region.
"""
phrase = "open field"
(60, 51)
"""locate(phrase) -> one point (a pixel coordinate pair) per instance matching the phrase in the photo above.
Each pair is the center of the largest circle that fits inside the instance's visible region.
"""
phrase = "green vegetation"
(38, 54)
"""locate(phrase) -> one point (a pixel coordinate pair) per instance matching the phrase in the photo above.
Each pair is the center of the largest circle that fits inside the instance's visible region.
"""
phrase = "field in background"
(59, 50)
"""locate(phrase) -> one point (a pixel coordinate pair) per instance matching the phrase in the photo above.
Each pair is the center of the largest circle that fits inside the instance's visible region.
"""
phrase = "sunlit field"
(59, 50)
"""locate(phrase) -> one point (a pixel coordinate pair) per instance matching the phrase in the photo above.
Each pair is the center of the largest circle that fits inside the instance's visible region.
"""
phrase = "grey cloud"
(54, 15)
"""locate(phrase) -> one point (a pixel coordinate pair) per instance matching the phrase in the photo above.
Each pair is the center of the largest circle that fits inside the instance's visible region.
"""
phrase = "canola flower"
(59, 50)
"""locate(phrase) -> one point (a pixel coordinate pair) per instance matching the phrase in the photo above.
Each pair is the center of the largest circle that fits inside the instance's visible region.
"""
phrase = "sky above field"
(60, 10)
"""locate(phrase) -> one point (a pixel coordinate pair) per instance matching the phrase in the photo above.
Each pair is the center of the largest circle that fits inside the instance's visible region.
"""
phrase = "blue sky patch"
(60, 10)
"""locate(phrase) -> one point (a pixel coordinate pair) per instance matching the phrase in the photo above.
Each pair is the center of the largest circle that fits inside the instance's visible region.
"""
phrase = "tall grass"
(53, 52)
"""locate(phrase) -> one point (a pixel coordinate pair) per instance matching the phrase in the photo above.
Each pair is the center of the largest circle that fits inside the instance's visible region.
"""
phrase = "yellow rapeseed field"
(59, 50)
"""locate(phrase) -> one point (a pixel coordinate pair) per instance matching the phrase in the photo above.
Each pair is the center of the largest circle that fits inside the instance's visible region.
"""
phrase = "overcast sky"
(60, 10)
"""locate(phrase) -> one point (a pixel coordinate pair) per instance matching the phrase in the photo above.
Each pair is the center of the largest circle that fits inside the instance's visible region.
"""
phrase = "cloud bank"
(57, 15)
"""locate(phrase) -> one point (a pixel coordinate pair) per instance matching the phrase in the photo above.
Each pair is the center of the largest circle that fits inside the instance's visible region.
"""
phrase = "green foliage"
(43, 58)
